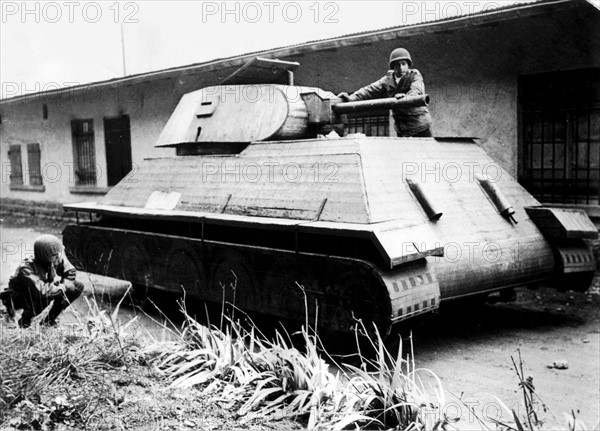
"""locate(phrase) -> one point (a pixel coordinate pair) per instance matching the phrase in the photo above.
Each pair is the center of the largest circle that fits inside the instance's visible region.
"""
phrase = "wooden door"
(118, 148)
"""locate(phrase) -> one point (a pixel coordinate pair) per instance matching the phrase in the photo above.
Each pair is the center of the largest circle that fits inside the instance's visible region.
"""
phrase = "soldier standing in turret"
(399, 82)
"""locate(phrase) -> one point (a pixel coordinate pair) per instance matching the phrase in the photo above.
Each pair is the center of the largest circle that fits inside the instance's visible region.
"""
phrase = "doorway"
(118, 148)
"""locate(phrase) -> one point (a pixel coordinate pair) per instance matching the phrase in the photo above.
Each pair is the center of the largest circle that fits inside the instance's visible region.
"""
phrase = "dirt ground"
(470, 348)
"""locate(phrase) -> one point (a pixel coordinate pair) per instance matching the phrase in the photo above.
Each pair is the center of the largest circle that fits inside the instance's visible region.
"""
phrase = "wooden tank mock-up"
(264, 195)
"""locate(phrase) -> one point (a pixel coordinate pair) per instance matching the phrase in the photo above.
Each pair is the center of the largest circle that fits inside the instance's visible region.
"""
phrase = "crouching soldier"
(39, 280)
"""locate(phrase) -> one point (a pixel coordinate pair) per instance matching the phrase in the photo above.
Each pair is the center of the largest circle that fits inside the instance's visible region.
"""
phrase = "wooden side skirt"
(338, 290)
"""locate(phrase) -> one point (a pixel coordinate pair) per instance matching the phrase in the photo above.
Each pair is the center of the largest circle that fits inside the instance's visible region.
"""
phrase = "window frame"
(84, 153)
(20, 185)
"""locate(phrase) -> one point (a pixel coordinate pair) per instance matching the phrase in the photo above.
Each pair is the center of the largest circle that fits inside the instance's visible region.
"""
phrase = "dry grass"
(37, 361)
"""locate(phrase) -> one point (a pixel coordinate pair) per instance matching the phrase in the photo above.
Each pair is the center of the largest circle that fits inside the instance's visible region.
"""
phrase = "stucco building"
(524, 79)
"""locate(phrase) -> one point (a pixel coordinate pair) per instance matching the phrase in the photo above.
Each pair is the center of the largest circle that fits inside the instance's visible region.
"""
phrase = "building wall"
(471, 74)
(148, 105)
(464, 102)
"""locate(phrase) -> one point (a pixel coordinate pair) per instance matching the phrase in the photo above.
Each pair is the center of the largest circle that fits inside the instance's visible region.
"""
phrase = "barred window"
(16, 167)
(372, 124)
(33, 159)
(84, 152)
(560, 141)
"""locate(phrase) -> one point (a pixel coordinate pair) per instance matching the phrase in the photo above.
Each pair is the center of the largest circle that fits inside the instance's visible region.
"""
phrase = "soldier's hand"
(399, 95)
(344, 96)
(58, 288)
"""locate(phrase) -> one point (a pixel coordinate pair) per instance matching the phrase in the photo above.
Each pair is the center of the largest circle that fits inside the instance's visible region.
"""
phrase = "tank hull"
(336, 220)
(331, 290)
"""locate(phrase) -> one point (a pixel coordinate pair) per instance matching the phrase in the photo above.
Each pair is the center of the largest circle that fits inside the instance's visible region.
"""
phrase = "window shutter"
(16, 168)
(34, 158)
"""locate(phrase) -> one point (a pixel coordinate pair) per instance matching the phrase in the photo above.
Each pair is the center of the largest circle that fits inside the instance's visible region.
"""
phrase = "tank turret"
(246, 113)
(261, 195)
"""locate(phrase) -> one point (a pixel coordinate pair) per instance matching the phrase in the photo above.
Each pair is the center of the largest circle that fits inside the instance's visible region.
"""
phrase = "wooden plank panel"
(563, 223)
(243, 114)
(290, 187)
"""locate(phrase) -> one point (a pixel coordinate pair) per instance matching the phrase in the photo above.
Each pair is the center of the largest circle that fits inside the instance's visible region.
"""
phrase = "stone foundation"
(38, 210)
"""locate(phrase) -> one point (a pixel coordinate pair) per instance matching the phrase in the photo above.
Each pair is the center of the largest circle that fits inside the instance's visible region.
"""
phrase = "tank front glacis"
(380, 229)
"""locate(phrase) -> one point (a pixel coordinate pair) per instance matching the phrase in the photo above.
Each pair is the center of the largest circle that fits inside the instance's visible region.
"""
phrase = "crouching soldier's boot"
(25, 320)
(6, 298)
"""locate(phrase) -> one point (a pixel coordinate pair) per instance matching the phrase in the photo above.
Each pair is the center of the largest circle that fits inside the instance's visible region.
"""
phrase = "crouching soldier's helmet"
(45, 247)
(400, 54)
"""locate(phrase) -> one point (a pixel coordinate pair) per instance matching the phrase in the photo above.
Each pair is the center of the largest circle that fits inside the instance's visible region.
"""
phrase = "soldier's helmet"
(46, 246)
(400, 54)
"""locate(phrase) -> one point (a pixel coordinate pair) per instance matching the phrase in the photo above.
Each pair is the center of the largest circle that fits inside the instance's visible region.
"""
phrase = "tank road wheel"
(184, 274)
(287, 300)
(575, 266)
(578, 281)
(135, 267)
(233, 280)
(98, 255)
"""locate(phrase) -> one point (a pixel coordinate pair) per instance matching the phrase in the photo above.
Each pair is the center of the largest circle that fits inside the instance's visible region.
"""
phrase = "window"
(372, 124)
(32, 168)
(33, 159)
(16, 167)
(560, 142)
(84, 153)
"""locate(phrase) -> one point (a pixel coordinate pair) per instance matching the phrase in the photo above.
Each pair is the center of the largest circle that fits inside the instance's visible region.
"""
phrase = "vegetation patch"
(102, 375)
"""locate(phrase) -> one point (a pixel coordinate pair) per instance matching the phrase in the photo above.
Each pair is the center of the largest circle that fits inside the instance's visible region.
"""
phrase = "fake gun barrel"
(378, 104)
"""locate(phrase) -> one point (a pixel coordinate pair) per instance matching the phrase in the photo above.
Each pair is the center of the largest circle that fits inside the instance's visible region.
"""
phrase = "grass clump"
(387, 392)
(42, 368)
(272, 378)
(261, 377)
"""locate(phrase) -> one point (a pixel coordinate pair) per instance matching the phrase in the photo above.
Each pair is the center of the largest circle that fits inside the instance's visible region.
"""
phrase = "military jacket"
(408, 120)
(42, 276)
